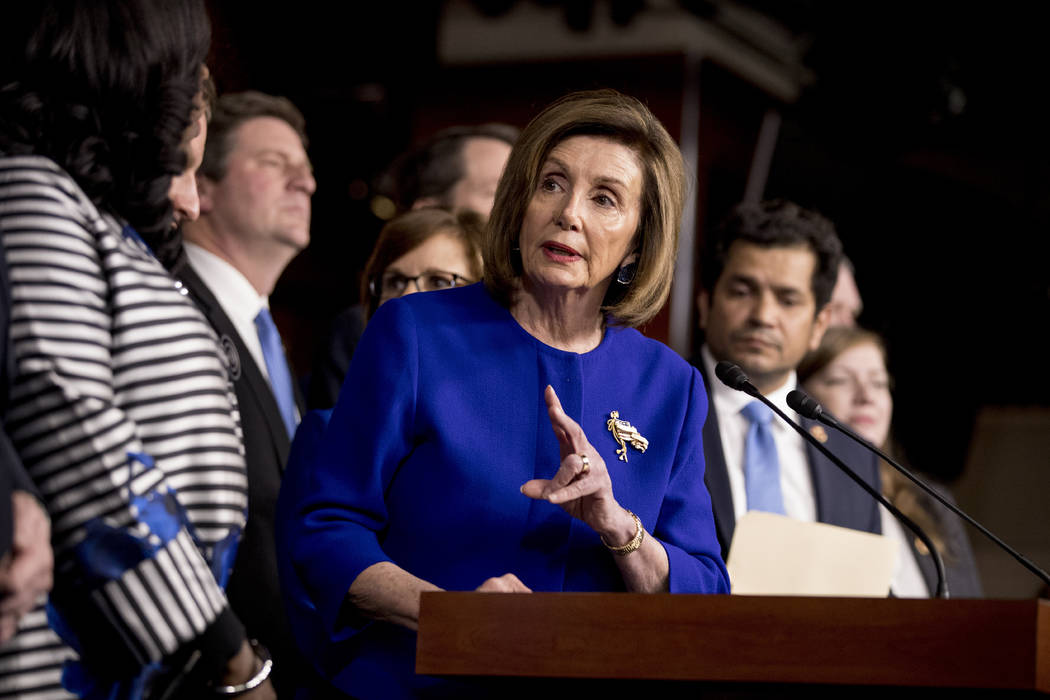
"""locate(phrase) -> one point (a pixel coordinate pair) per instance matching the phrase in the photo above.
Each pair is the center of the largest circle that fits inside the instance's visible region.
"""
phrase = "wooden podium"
(719, 639)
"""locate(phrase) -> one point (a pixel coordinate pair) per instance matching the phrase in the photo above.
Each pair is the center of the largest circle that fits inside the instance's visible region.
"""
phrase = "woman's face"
(855, 388)
(183, 189)
(580, 224)
(440, 262)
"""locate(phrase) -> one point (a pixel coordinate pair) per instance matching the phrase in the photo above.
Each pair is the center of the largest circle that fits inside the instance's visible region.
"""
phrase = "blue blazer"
(440, 421)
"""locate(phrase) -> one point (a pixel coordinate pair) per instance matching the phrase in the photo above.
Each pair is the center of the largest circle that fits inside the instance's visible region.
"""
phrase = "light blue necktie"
(277, 367)
(761, 464)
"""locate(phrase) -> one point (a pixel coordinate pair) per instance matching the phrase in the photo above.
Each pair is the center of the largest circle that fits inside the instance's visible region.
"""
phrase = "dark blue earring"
(625, 275)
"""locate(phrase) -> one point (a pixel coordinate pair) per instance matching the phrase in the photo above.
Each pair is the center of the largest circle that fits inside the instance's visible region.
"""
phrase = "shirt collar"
(235, 293)
(731, 401)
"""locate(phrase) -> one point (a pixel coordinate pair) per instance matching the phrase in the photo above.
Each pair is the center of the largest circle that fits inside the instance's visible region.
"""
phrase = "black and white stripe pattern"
(31, 663)
(113, 360)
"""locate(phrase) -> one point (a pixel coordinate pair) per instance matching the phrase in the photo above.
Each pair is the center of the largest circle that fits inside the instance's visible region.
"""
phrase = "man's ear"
(206, 193)
(820, 324)
(703, 305)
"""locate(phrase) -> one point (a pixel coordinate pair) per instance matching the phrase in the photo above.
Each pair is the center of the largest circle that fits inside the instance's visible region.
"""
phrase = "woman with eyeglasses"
(515, 435)
(423, 250)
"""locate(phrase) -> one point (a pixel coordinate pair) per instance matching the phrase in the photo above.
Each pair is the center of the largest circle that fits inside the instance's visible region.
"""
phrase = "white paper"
(776, 555)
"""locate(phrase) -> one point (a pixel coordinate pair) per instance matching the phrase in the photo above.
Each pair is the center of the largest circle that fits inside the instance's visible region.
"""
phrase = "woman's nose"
(568, 217)
(184, 198)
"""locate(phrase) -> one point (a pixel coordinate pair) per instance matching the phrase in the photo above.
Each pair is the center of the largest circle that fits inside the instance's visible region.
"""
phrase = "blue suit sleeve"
(342, 509)
(686, 525)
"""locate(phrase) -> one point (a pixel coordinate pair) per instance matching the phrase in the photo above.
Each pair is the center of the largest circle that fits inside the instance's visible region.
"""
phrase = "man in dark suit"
(255, 183)
(767, 274)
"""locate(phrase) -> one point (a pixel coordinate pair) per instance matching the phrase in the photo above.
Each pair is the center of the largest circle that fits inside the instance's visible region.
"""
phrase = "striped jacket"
(124, 417)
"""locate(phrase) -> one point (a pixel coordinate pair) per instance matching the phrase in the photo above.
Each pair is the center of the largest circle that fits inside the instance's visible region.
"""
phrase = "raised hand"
(581, 485)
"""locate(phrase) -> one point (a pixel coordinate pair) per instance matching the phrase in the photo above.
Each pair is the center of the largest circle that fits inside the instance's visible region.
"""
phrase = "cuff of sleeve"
(194, 666)
(327, 578)
(688, 573)
(217, 645)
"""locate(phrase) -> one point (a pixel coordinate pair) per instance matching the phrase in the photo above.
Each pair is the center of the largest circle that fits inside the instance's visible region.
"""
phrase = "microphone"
(808, 406)
(735, 378)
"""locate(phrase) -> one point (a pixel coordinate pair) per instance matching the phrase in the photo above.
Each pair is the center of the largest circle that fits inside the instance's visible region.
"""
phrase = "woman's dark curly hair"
(106, 90)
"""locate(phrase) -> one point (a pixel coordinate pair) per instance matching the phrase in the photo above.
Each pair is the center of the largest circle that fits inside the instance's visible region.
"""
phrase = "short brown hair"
(232, 110)
(406, 232)
(836, 341)
(608, 114)
(911, 501)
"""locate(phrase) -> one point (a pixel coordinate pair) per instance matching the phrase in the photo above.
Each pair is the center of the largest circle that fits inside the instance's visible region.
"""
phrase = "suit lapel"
(716, 475)
(251, 383)
(840, 501)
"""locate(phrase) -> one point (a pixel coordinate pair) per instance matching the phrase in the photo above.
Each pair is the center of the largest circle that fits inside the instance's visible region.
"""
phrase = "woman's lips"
(561, 253)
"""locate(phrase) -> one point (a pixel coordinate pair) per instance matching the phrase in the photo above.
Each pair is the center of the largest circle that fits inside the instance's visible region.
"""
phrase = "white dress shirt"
(796, 483)
(236, 296)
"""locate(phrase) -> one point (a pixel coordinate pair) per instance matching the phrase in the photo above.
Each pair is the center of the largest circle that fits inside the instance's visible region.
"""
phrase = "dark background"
(923, 136)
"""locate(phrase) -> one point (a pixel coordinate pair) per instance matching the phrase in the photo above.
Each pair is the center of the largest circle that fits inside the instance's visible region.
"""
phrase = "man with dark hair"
(457, 168)
(767, 275)
(255, 183)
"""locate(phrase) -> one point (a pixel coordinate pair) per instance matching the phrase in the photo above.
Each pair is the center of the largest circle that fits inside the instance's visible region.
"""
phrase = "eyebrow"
(281, 154)
(752, 282)
(602, 180)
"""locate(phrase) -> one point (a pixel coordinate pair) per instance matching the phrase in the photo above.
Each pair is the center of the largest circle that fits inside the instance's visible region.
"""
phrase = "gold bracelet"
(635, 543)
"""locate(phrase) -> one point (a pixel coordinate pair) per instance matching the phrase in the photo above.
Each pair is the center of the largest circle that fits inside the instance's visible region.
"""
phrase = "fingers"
(569, 433)
(26, 576)
(574, 469)
(535, 488)
(507, 583)
(28, 580)
(572, 491)
(8, 625)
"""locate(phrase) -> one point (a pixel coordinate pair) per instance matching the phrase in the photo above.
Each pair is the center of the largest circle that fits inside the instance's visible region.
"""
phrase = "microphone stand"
(808, 407)
(739, 381)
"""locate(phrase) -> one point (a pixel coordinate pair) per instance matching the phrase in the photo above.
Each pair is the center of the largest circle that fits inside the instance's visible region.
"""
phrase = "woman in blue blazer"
(517, 435)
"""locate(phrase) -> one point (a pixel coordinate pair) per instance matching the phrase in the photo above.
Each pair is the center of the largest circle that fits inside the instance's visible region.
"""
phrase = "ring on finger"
(586, 464)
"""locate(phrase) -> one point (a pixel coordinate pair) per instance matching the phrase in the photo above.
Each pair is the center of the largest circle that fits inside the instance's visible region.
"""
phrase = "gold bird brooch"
(624, 433)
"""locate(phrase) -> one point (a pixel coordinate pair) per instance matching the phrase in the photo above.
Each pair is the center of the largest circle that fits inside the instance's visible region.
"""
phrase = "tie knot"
(757, 412)
(265, 326)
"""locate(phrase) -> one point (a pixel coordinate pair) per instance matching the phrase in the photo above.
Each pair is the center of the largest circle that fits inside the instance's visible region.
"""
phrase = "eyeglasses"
(393, 284)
